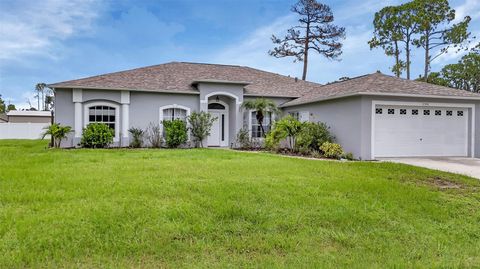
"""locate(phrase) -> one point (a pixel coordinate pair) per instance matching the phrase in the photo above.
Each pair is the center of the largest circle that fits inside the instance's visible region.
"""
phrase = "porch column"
(125, 101)
(77, 96)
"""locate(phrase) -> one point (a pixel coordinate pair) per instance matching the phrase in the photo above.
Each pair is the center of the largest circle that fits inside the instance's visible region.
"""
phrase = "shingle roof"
(378, 83)
(180, 77)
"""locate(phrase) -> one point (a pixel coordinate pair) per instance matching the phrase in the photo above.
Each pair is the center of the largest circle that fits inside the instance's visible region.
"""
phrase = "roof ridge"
(277, 74)
(232, 65)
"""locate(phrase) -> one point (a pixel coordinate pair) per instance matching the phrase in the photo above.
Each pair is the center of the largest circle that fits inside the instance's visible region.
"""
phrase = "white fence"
(22, 130)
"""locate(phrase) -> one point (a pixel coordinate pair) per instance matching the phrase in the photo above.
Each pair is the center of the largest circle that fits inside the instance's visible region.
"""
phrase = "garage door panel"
(420, 131)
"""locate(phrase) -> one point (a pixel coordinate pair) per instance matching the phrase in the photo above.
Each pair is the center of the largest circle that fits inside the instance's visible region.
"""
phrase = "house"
(27, 116)
(371, 116)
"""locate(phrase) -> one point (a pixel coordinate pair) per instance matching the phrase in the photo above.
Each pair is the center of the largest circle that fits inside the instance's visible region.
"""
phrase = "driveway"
(464, 166)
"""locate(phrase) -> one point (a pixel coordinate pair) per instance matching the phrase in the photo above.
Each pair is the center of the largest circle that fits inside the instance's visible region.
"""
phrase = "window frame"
(174, 106)
(250, 125)
(86, 114)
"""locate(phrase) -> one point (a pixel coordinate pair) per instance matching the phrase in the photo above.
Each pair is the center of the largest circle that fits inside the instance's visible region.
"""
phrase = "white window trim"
(422, 104)
(86, 121)
(162, 108)
(250, 123)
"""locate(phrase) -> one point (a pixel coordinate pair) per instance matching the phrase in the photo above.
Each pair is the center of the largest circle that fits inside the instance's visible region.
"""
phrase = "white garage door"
(404, 131)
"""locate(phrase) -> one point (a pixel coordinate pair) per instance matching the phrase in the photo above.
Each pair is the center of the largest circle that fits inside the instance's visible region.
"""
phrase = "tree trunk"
(407, 51)
(397, 60)
(260, 121)
(305, 54)
(427, 57)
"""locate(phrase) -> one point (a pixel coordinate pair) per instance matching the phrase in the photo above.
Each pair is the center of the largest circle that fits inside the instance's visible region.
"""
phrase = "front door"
(215, 132)
(219, 133)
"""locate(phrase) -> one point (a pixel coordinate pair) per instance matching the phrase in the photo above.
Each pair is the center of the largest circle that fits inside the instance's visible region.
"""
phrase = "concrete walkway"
(464, 166)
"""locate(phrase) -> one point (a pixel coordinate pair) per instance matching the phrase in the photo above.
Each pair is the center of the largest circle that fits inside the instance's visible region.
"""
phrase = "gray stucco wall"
(145, 106)
(65, 112)
(344, 116)
(350, 119)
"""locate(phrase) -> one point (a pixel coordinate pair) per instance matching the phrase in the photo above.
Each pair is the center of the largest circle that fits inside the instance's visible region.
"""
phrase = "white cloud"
(470, 8)
(31, 27)
(253, 51)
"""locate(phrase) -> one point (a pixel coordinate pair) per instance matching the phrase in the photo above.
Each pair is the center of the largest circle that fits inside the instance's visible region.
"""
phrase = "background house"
(24, 124)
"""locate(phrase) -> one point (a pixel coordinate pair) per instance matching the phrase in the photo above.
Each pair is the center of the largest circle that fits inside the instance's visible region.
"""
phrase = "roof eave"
(381, 94)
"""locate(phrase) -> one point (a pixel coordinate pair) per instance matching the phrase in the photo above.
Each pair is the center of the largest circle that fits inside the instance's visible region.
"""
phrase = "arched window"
(174, 113)
(215, 106)
(103, 114)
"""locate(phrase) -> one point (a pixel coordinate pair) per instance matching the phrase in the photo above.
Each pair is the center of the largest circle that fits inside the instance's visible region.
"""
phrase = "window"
(223, 127)
(391, 111)
(403, 112)
(174, 113)
(460, 113)
(449, 113)
(215, 106)
(295, 115)
(378, 111)
(103, 114)
(414, 111)
(256, 128)
(426, 112)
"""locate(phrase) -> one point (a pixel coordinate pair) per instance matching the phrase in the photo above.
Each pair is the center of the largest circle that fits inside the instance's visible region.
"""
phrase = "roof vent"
(296, 79)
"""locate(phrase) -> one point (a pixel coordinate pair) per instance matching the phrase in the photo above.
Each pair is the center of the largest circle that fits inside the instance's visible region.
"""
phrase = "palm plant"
(58, 132)
(262, 106)
(40, 89)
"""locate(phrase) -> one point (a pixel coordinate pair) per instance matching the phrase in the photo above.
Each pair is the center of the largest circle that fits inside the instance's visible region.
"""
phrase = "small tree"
(58, 132)
(200, 126)
(175, 133)
(11, 107)
(315, 32)
(261, 106)
(2, 105)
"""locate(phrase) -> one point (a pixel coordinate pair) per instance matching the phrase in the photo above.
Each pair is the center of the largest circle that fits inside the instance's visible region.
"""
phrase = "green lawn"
(220, 208)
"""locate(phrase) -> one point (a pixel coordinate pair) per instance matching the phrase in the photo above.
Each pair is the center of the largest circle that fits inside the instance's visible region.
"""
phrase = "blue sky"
(51, 40)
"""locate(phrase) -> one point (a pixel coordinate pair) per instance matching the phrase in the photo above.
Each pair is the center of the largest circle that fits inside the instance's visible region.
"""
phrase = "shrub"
(331, 150)
(154, 135)
(175, 133)
(200, 126)
(97, 135)
(286, 128)
(312, 136)
(137, 137)
(348, 156)
(58, 132)
(243, 139)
